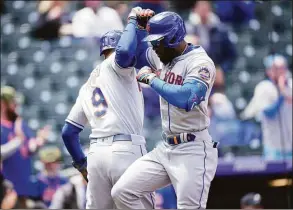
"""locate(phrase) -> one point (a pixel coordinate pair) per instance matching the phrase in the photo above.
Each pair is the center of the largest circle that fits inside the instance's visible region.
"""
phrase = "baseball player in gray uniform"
(112, 103)
(183, 76)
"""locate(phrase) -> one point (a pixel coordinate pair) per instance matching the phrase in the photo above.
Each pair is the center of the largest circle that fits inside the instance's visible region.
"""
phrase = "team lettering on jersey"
(173, 78)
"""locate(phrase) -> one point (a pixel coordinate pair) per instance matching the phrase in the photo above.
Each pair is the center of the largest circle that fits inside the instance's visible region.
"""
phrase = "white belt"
(136, 139)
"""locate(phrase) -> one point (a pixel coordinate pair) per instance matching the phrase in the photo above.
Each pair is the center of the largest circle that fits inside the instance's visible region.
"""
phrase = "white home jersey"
(195, 65)
(111, 101)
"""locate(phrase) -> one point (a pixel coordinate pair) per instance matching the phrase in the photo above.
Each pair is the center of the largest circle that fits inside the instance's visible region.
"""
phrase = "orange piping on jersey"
(175, 140)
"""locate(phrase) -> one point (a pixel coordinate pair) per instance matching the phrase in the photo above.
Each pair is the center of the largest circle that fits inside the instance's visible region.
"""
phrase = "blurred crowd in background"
(49, 48)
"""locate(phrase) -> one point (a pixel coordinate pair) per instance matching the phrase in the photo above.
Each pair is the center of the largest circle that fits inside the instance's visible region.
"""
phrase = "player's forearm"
(272, 110)
(142, 47)
(70, 136)
(185, 97)
(126, 47)
(10, 148)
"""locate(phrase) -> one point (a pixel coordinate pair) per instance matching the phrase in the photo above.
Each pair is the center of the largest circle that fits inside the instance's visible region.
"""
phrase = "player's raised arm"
(126, 47)
(130, 50)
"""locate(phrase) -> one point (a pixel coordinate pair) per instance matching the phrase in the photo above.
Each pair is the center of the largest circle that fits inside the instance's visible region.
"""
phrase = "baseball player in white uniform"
(112, 103)
(187, 157)
(272, 103)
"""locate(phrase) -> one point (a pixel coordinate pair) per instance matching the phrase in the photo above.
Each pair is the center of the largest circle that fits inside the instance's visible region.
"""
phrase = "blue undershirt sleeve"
(272, 110)
(70, 136)
(141, 57)
(126, 47)
(185, 96)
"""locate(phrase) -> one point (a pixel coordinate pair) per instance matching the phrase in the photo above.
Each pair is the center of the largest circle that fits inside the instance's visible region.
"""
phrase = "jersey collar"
(190, 50)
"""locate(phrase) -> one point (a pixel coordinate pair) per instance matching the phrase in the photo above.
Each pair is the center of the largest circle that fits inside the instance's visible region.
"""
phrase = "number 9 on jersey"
(99, 103)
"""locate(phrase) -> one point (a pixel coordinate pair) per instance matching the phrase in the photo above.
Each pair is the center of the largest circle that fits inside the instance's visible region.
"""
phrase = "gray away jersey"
(196, 65)
(110, 101)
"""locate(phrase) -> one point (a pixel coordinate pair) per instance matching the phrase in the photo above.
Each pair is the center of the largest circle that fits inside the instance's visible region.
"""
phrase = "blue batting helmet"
(168, 26)
(109, 40)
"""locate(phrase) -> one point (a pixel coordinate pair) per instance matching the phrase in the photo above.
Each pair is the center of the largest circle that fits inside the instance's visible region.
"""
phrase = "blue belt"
(176, 139)
(118, 137)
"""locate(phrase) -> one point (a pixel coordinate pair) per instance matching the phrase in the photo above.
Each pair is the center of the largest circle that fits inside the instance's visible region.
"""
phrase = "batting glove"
(146, 76)
(81, 167)
(134, 12)
(143, 17)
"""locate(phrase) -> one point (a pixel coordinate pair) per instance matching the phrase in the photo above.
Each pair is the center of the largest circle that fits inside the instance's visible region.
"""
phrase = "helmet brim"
(106, 48)
(153, 37)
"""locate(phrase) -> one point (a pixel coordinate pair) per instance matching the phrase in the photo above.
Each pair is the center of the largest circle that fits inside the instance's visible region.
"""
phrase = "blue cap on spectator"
(274, 59)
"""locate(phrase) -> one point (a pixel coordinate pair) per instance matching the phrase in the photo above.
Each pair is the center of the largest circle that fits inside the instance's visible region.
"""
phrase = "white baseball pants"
(190, 167)
(107, 161)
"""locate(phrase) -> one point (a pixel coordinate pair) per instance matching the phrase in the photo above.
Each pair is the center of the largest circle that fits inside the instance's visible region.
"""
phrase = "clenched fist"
(146, 75)
(141, 15)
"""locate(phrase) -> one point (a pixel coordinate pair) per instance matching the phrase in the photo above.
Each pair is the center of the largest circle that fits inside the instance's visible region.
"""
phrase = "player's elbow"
(193, 102)
(68, 131)
(197, 95)
(124, 56)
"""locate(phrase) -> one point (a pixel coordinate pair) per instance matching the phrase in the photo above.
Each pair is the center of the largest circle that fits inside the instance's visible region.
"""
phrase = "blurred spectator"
(191, 38)
(272, 103)
(235, 12)
(251, 201)
(156, 5)
(224, 126)
(95, 20)
(212, 35)
(10, 147)
(166, 198)
(71, 195)
(152, 120)
(182, 7)
(18, 159)
(219, 83)
(49, 180)
(8, 198)
(51, 18)
(221, 107)
(92, 4)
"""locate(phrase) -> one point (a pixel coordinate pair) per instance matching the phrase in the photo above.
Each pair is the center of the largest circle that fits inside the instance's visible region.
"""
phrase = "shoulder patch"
(204, 73)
